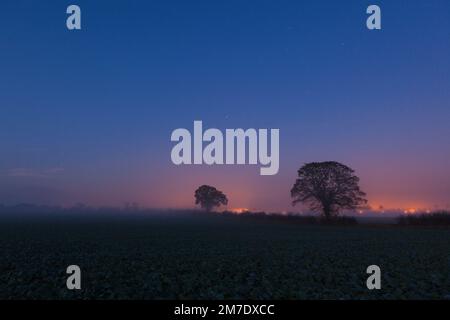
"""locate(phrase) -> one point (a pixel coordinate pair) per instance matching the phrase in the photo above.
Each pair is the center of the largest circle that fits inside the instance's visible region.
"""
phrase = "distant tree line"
(439, 218)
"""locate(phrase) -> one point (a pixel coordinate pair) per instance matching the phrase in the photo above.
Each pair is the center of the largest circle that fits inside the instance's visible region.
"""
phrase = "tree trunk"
(327, 212)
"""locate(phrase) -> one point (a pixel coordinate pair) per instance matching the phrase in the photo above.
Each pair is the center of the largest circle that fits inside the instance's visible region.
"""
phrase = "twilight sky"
(86, 116)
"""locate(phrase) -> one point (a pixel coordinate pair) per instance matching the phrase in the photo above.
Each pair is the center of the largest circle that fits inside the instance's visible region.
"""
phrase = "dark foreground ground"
(219, 258)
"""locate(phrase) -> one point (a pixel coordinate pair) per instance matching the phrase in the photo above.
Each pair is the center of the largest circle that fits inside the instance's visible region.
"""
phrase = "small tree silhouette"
(209, 197)
(327, 187)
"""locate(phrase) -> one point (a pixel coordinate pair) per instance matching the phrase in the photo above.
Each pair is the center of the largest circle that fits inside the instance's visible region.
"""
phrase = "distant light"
(239, 210)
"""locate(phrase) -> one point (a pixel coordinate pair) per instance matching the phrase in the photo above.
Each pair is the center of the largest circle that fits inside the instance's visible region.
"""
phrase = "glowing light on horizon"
(240, 210)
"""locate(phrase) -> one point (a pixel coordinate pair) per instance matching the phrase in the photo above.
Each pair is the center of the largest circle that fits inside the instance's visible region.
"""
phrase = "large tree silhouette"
(209, 197)
(327, 187)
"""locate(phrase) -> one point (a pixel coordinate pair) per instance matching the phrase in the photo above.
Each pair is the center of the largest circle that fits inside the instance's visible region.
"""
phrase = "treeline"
(293, 218)
(439, 218)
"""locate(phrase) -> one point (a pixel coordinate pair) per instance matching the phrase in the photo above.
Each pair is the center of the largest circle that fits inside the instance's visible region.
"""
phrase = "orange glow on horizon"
(239, 210)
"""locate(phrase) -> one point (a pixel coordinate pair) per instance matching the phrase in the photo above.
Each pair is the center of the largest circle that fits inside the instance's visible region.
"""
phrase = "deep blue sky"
(86, 116)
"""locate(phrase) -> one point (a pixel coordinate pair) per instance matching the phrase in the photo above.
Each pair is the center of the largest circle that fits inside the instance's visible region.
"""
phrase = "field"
(198, 257)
